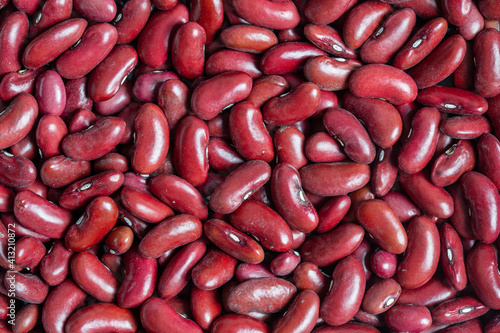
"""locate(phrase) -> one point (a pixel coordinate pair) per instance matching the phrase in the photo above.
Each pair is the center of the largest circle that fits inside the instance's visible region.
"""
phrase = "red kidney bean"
(96, 43)
(493, 325)
(153, 45)
(347, 328)
(54, 266)
(106, 78)
(487, 76)
(60, 171)
(50, 132)
(452, 164)
(248, 133)
(222, 156)
(237, 323)
(26, 318)
(178, 271)
(152, 139)
(458, 310)
(421, 44)
(363, 20)
(285, 263)
(60, 37)
(456, 12)
(482, 271)
(453, 100)
(389, 38)
(265, 295)
(205, 306)
(6, 199)
(99, 218)
(29, 252)
(488, 148)
(465, 127)
(440, 63)
(246, 272)
(254, 218)
(267, 87)
(432, 293)
(430, 198)
(50, 93)
(233, 242)
(419, 148)
(422, 254)
(173, 98)
(216, 93)
(382, 120)
(408, 318)
(119, 240)
(483, 201)
(330, 74)
(101, 317)
(16, 171)
(489, 9)
(383, 263)
(179, 194)
(191, 150)
(93, 277)
(381, 296)
(248, 38)
(372, 214)
(452, 257)
(329, 40)
(188, 56)
(80, 193)
(209, 14)
(331, 179)
(60, 304)
(356, 142)
(231, 60)
(301, 315)
(139, 282)
(327, 248)
(346, 293)
(13, 33)
(76, 97)
(463, 76)
(144, 206)
(385, 171)
(460, 219)
(28, 288)
(156, 315)
(131, 20)
(99, 11)
(169, 234)
(288, 57)
(289, 142)
(290, 200)
(308, 276)
(82, 145)
(15, 83)
(214, 270)
(332, 212)
(17, 119)
(239, 185)
(273, 15)
(325, 12)
(321, 147)
(51, 13)
(40, 215)
(473, 25)
(111, 162)
(146, 86)
(386, 82)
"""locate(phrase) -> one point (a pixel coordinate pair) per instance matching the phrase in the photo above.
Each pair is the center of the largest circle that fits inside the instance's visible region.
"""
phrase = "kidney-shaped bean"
(272, 15)
(157, 316)
(100, 318)
(17, 120)
(482, 271)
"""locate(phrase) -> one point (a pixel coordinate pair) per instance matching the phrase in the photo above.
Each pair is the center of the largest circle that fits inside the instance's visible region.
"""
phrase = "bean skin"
(101, 317)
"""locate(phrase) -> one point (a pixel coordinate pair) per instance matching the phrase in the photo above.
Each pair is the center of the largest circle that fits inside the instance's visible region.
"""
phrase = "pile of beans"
(249, 166)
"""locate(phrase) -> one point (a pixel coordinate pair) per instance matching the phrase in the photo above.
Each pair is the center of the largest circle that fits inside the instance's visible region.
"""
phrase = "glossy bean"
(173, 99)
(273, 15)
(422, 255)
(440, 63)
(144, 206)
(329, 40)
(54, 266)
(458, 310)
(321, 147)
(465, 127)
(452, 164)
(93, 277)
(408, 318)
(453, 100)
(302, 314)
(209, 14)
(50, 132)
(267, 87)
(488, 148)
(386, 82)
(99, 218)
(381, 296)
(29, 252)
(452, 257)
(432, 293)
(188, 56)
(482, 272)
(13, 32)
(237, 323)
(28, 288)
(254, 218)
(169, 234)
(99, 11)
(17, 119)
(288, 57)
(156, 315)
(101, 317)
(487, 76)
(289, 142)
